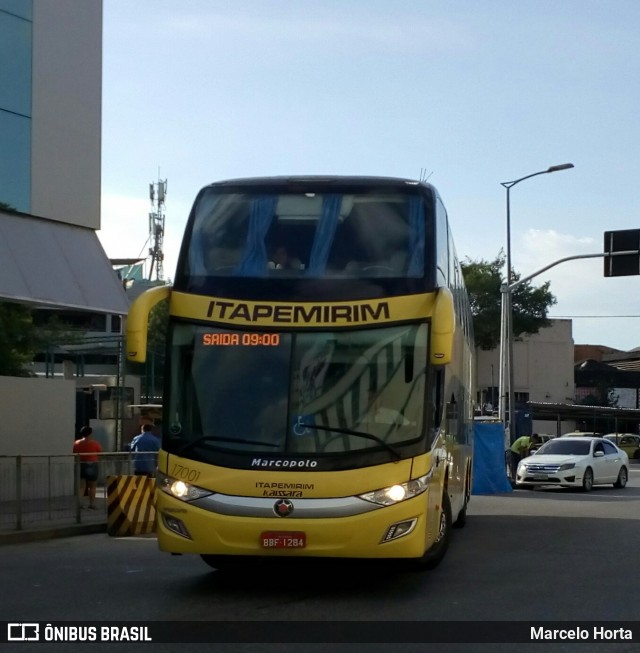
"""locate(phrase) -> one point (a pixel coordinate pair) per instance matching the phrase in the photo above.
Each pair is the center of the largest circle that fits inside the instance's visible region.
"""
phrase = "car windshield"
(565, 447)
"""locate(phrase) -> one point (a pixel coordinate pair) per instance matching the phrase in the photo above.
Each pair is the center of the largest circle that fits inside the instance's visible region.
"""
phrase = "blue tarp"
(489, 473)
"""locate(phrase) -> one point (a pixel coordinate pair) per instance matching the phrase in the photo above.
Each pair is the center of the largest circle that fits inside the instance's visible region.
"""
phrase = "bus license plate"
(283, 540)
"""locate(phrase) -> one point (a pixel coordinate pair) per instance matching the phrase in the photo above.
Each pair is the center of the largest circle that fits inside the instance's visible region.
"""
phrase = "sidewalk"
(131, 502)
(51, 531)
(43, 519)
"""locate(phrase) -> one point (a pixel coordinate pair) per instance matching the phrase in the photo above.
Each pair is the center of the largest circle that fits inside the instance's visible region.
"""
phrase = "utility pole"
(157, 192)
(507, 394)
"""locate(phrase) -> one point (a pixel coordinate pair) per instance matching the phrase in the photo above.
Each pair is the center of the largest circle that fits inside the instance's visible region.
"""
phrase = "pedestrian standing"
(145, 447)
(88, 451)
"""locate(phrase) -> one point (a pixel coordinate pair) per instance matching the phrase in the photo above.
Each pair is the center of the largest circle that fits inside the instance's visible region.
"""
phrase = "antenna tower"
(157, 192)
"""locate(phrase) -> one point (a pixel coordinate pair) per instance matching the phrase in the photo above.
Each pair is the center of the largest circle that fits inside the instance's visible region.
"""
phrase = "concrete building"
(543, 371)
(50, 168)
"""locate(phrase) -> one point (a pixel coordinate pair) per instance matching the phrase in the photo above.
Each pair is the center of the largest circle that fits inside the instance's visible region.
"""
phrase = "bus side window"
(452, 422)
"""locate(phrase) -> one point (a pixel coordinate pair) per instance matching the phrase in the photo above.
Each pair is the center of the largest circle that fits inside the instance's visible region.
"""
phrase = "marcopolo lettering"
(293, 314)
(290, 464)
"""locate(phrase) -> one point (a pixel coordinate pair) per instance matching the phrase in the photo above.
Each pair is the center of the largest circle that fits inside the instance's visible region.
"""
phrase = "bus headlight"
(181, 490)
(395, 493)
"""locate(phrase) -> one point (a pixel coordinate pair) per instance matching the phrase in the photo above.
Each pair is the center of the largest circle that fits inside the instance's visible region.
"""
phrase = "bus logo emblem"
(283, 507)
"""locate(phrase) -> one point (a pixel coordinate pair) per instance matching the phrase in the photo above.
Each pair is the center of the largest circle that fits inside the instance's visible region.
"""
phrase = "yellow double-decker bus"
(319, 382)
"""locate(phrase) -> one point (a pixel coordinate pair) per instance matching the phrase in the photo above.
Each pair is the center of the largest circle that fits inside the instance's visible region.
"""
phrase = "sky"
(468, 93)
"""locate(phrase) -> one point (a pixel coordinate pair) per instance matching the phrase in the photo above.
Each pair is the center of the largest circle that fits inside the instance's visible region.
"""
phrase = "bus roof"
(320, 179)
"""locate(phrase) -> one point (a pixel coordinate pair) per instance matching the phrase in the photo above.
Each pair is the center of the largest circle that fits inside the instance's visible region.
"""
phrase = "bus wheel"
(461, 520)
(435, 554)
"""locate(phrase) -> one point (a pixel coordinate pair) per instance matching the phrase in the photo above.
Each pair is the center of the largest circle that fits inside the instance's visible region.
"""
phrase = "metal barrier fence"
(37, 491)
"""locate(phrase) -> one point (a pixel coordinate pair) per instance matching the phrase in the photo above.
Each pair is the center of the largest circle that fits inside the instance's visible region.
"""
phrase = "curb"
(20, 537)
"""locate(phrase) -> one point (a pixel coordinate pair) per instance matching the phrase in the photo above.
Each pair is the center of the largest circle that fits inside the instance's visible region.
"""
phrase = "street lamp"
(506, 319)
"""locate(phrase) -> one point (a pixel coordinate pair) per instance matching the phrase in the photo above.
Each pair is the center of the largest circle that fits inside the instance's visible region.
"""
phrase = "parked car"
(628, 442)
(581, 462)
(577, 434)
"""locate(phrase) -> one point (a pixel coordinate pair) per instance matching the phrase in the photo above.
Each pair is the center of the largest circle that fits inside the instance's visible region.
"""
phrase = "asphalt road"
(529, 555)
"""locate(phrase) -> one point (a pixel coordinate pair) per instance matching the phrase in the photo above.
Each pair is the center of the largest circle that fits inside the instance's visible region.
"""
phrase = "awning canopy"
(549, 411)
(125, 261)
(48, 263)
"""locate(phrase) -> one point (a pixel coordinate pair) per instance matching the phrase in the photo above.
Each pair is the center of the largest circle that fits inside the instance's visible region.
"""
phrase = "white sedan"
(575, 462)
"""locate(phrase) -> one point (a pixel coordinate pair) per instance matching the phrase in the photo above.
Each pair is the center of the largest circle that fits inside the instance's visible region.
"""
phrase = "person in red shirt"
(88, 449)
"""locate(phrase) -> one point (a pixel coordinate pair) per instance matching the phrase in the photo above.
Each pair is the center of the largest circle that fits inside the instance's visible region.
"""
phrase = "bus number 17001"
(185, 474)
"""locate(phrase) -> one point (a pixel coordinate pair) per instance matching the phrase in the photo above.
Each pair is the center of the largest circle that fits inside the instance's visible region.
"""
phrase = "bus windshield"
(286, 232)
(296, 393)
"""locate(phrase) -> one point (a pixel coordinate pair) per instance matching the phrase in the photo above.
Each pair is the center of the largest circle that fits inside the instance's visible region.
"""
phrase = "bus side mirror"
(138, 322)
(443, 326)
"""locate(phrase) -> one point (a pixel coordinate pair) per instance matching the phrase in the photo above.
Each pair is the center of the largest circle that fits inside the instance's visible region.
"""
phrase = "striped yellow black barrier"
(131, 505)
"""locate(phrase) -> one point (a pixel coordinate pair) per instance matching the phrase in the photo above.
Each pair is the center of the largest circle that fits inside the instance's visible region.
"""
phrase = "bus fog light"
(400, 529)
(176, 525)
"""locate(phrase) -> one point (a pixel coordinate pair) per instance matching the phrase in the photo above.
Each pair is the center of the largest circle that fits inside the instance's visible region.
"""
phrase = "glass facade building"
(16, 34)
(50, 138)
(51, 109)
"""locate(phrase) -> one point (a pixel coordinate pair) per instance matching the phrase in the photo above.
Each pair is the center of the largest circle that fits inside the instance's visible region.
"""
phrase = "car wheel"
(436, 551)
(623, 477)
(587, 480)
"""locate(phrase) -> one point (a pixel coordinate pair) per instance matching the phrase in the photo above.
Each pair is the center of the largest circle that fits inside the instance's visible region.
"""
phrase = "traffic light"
(622, 265)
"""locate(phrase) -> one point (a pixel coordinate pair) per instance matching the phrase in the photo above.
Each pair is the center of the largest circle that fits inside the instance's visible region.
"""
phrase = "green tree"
(21, 338)
(530, 305)
(17, 339)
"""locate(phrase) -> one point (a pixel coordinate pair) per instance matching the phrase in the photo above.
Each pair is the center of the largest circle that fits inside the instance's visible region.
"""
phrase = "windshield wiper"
(215, 438)
(360, 434)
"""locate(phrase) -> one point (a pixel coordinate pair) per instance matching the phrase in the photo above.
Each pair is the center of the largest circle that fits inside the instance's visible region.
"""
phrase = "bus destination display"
(241, 339)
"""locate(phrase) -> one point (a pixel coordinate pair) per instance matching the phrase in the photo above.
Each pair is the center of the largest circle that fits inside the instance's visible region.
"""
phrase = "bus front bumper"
(396, 531)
